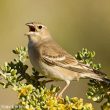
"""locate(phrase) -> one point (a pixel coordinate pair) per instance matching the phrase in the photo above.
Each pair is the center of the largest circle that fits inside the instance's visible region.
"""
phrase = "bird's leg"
(67, 84)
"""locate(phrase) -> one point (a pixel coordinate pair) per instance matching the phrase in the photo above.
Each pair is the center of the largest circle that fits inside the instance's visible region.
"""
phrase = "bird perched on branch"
(52, 61)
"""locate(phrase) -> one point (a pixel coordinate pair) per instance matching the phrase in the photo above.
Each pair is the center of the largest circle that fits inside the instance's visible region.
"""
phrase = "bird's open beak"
(31, 27)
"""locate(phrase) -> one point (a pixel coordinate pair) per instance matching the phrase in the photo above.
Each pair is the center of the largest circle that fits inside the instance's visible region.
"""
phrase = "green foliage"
(87, 57)
(31, 88)
(97, 90)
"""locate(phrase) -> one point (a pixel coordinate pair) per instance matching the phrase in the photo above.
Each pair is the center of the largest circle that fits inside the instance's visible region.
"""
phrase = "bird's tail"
(95, 76)
(106, 80)
(102, 76)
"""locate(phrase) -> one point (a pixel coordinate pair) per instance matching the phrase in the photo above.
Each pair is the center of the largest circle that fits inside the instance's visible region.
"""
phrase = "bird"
(52, 61)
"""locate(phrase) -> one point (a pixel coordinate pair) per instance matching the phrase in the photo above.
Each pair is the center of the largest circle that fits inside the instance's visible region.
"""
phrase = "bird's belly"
(55, 72)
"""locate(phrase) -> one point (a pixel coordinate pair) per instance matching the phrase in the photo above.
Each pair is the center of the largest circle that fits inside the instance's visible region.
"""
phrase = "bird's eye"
(40, 27)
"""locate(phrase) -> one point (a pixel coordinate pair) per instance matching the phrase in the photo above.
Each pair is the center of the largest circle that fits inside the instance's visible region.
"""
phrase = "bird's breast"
(34, 55)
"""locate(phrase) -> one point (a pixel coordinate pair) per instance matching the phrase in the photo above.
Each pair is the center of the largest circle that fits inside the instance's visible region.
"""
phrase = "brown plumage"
(52, 61)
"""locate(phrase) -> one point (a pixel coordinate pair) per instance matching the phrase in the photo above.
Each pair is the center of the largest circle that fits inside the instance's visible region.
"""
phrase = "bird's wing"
(52, 54)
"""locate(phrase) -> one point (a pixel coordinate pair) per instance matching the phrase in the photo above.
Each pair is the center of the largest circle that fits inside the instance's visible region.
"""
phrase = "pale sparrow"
(51, 60)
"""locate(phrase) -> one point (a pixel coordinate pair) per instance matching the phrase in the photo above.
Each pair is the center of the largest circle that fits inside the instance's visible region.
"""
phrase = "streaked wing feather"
(55, 55)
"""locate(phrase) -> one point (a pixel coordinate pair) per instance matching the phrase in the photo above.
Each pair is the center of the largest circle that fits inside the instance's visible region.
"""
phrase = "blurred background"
(74, 24)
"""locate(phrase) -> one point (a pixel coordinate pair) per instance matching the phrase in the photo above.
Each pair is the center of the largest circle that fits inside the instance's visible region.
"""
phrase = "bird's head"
(37, 31)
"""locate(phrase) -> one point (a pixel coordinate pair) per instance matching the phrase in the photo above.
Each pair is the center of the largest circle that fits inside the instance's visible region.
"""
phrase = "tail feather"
(92, 76)
(98, 77)
(106, 80)
(99, 72)
(102, 76)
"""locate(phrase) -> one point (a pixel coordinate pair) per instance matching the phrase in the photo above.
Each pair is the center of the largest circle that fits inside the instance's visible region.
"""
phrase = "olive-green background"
(74, 24)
